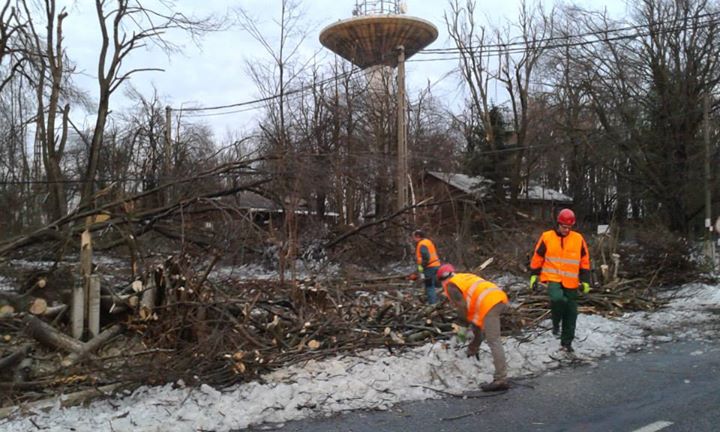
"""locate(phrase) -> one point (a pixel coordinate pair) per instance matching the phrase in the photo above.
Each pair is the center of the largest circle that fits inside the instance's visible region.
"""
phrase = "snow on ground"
(303, 270)
(6, 284)
(375, 379)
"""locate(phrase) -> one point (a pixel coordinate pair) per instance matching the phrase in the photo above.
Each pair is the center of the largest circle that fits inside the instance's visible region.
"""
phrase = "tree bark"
(48, 335)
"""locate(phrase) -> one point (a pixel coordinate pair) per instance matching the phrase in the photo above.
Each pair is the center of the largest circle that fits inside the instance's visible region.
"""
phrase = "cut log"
(605, 273)
(78, 309)
(94, 305)
(55, 311)
(92, 345)
(48, 335)
(38, 306)
(6, 310)
(137, 286)
(147, 303)
(85, 253)
(616, 265)
(65, 401)
(17, 301)
(115, 304)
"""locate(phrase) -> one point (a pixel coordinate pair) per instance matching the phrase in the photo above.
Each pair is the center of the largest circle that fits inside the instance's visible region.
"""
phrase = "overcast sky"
(215, 73)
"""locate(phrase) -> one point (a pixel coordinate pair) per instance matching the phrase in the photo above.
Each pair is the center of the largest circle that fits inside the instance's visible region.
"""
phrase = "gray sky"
(215, 73)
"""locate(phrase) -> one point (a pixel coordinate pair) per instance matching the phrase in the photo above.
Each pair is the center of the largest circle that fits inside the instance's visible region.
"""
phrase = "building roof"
(479, 187)
(253, 201)
(540, 193)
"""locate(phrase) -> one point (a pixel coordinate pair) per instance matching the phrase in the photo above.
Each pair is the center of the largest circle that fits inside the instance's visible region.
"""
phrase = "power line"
(502, 47)
(301, 89)
(452, 54)
(366, 156)
(483, 49)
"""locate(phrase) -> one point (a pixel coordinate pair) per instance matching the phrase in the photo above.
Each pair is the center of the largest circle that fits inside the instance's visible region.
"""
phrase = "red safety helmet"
(566, 217)
(445, 271)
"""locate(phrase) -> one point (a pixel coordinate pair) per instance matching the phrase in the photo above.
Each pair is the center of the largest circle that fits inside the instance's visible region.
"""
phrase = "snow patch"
(373, 379)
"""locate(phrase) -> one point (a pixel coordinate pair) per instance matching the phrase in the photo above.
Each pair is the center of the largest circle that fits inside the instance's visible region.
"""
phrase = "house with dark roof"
(542, 203)
(461, 194)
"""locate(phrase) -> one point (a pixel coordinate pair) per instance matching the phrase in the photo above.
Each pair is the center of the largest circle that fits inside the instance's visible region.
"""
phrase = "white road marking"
(654, 427)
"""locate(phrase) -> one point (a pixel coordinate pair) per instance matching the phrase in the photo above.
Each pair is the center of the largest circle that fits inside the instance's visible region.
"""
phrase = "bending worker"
(428, 263)
(562, 262)
(480, 303)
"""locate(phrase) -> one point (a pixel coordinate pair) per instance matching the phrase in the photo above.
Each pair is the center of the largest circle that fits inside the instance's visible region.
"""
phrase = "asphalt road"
(674, 387)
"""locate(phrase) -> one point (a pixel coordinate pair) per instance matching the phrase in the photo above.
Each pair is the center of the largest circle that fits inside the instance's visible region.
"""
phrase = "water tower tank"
(372, 36)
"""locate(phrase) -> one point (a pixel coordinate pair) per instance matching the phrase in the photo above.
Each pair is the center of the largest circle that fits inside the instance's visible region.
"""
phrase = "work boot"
(567, 347)
(497, 385)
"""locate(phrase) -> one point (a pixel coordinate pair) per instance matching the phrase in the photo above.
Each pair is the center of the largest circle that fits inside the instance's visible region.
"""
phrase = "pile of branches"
(189, 326)
(227, 331)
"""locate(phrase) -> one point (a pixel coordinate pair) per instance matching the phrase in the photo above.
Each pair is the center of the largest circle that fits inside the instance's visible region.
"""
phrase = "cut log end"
(38, 307)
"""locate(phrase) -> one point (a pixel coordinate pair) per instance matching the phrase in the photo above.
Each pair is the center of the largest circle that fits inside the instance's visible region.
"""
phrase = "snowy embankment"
(375, 379)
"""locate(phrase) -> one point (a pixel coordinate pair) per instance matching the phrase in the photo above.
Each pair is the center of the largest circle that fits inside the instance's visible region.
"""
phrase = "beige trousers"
(491, 333)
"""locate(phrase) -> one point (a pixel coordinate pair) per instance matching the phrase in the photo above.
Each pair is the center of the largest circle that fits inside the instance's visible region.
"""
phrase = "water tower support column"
(402, 163)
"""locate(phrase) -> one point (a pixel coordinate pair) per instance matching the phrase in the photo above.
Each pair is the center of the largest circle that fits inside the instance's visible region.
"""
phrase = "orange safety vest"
(434, 260)
(480, 295)
(563, 260)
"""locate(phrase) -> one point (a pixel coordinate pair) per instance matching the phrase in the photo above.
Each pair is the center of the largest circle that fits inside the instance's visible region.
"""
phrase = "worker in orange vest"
(480, 303)
(561, 261)
(428, 262)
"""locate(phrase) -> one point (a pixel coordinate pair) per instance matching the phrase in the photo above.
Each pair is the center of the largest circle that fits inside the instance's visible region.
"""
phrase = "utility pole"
(167, 154)
(709, 245)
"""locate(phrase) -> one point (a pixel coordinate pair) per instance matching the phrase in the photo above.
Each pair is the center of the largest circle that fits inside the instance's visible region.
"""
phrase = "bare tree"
(273, 79)
(646, 86)
(50, 62)
(517, 70)
(681, 55)
(13, 53)
(126, 26)
(486, 132)
(471, 40)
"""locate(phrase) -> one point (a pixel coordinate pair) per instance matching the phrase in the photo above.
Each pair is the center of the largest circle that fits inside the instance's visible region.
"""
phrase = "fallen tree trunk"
(143, 221)
(92, 345)
(15, 357)
(48, 335)
(66, 401)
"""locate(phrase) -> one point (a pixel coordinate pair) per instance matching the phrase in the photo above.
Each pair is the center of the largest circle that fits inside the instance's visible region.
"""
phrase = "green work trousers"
(563, 307)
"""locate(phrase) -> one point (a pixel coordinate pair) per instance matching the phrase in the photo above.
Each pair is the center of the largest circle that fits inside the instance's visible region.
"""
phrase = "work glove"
(533, 281)
(420, 268)
(460, 333)
(585, 287)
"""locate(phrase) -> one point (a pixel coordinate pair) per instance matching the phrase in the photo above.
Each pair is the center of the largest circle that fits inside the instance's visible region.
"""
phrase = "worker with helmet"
(428, 262)
(561, 262)
(480, 303)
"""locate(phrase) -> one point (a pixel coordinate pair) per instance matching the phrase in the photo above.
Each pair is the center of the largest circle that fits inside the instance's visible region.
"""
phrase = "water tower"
(380, 34)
